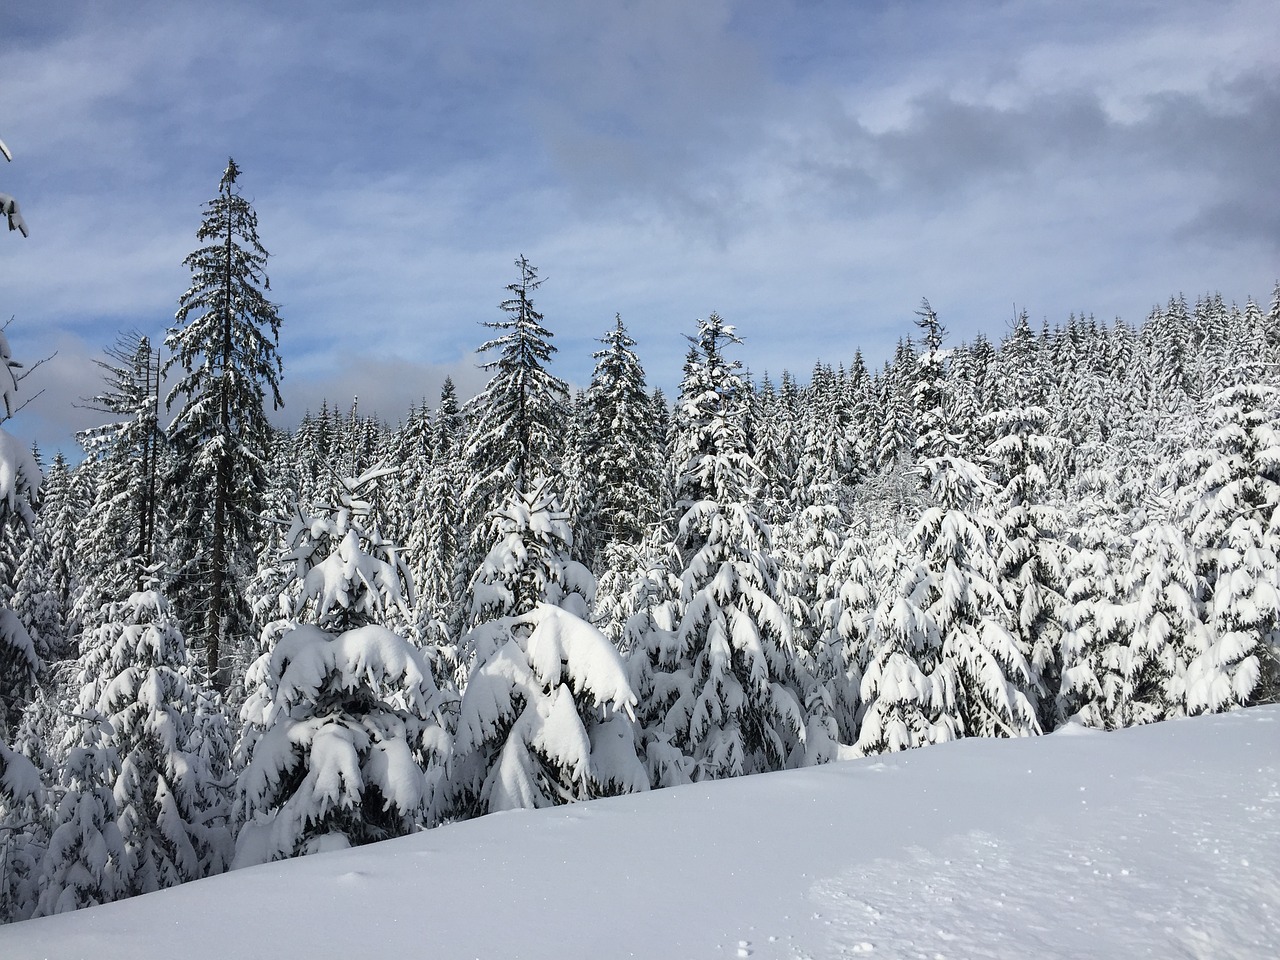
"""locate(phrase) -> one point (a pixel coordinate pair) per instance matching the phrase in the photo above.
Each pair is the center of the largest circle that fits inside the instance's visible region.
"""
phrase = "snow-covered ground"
(1162, 841)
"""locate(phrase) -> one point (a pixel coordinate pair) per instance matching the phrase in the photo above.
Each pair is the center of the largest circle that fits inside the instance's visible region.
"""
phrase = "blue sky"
(809, 170)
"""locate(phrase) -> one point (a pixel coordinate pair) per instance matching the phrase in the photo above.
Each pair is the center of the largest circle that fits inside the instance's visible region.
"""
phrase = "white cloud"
(808, 169)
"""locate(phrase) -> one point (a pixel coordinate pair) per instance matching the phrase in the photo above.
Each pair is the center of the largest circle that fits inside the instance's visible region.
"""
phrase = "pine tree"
(433, 544)
(225, 345)
(622, 458)
(1234, 491)
(847, 595)
(516, 422)
(343, 739)
(1163, 591)
(726, 690)
(47, 581)
(1096, 626)
(1032, 556)
(82, 866)
(518, 418)
(23, 833)
(134, 672)
(547, 713)
(19, 495)
(121, 529)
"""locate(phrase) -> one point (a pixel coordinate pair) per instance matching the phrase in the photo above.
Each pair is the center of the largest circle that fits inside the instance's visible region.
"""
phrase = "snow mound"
(1158, 841)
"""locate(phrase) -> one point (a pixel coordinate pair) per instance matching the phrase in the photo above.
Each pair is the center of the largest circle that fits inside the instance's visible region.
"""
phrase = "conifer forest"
(223, 643)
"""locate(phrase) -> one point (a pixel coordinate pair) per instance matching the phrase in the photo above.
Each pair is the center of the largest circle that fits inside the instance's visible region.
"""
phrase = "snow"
(1156, 841)
(19, 476)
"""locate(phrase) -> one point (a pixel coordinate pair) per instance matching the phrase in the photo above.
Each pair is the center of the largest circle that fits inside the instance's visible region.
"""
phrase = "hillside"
(1159, 841)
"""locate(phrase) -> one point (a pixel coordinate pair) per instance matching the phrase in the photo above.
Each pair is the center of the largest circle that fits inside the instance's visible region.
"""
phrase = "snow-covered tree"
(1096, 628)
(847, 594)
(224, 345)
(119, 533)
(1234, 490)
(433, 543)
(726, 693)
(343, 739)
(82, 866)
(134, 672)
(47, 581)
(23, 833)
(517, 420)
(1029, 571)
(529, 562)
(19, 494)
(547, 717)
(547, 713)
(622, 458)
(1163, 591)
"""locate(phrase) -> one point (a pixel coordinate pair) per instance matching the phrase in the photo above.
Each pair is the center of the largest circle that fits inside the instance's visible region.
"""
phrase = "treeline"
(222, 644)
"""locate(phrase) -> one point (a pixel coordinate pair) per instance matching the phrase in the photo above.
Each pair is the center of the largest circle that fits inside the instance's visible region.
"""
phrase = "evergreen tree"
(432, 547)
(516, 422)
(929, 397)
(1032, 556)
(725, 687)
(343, 739)
(622, 459)
(22, 833)
(120, 532)
(1234, 490)
(19, 495)
(47, 581)
(225, 345)
(547, 714)
(1163, 591)
(134, 672)
(1096, 626)
(86, 854)
(518, 418)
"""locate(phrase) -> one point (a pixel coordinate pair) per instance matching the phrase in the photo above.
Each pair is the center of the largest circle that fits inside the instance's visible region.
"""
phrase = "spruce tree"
(134, 672)
(82, 866)
(19, 495)
(518, 418)
(342, 737)
(1233, 489)
(516, 422)
(120, 532)
(726, 691)
(547, 713)
(224, 345)
(621, 456)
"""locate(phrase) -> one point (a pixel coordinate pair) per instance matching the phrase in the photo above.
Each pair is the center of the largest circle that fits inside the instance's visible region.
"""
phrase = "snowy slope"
(1162, 841)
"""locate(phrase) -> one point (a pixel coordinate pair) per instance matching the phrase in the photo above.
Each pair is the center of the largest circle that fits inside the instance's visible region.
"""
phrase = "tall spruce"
(518, 418)
(718, 668)
(225, 344)
(515, 423)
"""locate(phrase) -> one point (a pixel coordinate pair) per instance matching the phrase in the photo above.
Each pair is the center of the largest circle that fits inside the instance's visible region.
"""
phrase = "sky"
(809, 170)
